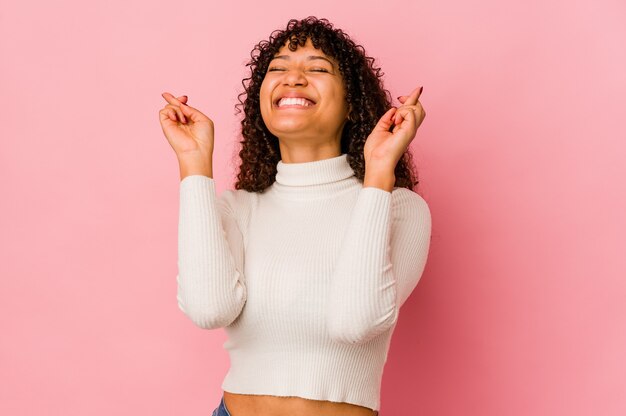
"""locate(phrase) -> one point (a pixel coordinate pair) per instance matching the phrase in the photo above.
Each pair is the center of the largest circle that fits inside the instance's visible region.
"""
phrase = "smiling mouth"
(300, 103)
(294, 106)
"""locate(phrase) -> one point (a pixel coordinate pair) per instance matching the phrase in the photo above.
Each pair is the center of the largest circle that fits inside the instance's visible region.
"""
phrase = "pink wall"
(521, 310)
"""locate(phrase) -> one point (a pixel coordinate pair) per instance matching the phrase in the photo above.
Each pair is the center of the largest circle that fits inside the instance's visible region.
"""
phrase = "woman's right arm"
(211, 290)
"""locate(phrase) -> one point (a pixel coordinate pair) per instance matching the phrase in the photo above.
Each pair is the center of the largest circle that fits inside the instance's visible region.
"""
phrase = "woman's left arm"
(382, 258)
(386, 245)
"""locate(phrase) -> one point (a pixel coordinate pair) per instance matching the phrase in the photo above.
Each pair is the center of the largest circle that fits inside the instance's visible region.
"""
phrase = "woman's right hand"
(189, 132)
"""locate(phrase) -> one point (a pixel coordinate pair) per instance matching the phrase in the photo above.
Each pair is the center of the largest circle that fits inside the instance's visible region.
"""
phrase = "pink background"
(521, 310)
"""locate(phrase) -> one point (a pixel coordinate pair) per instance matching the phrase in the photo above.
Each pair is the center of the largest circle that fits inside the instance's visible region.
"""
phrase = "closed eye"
(314, 69)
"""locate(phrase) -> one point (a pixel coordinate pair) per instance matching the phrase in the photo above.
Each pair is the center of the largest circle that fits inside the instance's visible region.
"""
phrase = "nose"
(294, 77)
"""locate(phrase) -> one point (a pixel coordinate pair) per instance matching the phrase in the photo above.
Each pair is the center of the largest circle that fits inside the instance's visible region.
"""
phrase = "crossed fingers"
(410, 102)
(173, 108)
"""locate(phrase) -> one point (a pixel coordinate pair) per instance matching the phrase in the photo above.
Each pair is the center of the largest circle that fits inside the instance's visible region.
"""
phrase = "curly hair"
(364, 91)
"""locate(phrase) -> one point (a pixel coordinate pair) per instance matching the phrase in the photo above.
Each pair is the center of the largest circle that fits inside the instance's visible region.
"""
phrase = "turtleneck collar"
(316, 172)
(316, 179)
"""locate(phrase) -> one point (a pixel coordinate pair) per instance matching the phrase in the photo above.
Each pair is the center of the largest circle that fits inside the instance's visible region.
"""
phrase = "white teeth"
(296, 101)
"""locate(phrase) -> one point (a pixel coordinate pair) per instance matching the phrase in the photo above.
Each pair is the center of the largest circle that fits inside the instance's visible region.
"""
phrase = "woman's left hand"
(383, 149)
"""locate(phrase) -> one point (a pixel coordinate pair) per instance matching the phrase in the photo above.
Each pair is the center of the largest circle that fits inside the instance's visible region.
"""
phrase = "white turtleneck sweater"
(307, 278)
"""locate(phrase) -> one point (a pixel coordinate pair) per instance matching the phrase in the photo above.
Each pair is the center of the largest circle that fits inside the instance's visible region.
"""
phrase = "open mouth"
(294, 102)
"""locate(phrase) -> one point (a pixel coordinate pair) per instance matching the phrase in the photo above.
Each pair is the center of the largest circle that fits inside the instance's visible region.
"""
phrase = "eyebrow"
(309, 58)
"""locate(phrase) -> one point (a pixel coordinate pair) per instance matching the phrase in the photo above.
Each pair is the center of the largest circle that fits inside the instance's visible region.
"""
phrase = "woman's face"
(310, 74)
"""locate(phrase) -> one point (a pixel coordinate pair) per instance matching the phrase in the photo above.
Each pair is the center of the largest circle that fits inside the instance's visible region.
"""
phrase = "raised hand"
(189, 132)
(383, 148)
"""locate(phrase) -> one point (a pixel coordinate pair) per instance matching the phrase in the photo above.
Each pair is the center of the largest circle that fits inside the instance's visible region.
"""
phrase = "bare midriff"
(262, 405)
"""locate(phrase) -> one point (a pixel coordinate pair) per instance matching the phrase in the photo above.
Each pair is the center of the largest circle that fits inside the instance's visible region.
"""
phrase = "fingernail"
(421, 88)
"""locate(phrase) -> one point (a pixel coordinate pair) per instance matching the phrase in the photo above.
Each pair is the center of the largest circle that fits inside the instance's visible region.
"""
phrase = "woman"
(308, 261)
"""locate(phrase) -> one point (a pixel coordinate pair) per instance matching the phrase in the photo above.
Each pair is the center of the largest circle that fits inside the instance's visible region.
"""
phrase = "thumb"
(191, 112)
(386, 120)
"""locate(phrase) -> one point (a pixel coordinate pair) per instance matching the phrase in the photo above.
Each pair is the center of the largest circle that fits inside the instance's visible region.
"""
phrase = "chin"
(287, 126)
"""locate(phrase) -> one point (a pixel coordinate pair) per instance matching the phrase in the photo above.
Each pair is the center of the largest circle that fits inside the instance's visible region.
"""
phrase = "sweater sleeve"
(211, 288)
(381, 260)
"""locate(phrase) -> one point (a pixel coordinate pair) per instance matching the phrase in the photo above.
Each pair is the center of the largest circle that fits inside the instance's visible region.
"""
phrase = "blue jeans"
(221, 409)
